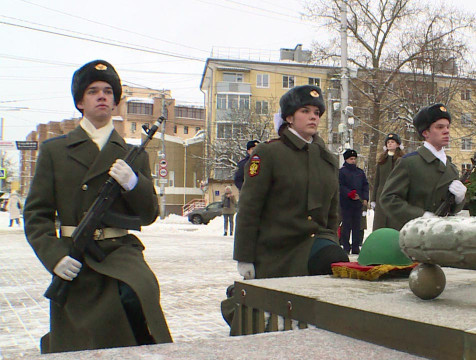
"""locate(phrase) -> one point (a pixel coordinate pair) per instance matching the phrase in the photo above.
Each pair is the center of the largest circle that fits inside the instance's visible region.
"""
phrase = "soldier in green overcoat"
(421, 180)
(288, 211)
(115, 302)
(385, 164)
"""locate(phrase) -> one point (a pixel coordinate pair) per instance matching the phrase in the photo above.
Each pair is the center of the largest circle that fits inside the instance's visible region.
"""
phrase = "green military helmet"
(382, 247)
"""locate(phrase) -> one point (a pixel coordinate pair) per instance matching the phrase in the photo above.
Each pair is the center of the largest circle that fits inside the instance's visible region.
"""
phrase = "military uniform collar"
(78, 135)
(439, 154)
(428, 155)
(296, 140)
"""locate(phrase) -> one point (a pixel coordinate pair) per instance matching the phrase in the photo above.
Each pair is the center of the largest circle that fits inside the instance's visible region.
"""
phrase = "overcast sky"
(175, 38)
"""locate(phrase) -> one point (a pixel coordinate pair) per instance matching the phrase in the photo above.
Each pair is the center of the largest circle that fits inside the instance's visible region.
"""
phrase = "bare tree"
(388, 38)
(234, 130)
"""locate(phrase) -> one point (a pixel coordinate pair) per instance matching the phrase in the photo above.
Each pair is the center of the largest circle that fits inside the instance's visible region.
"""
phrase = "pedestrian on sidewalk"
(115, 302)
(14, 208)
(229, 208)
(354, 196)
(385, 164)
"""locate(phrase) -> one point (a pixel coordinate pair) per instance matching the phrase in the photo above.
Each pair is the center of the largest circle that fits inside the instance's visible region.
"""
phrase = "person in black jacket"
(240, 172)
(354, 196)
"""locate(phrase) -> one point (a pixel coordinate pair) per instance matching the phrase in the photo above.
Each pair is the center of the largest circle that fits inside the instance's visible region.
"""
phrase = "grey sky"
(175, 37)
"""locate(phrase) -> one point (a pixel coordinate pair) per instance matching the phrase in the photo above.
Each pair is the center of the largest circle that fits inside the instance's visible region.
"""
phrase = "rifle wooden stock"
(83, 235)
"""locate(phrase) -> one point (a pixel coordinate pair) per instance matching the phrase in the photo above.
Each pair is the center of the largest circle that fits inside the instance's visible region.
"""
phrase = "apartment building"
(140, 107)
(238, 90)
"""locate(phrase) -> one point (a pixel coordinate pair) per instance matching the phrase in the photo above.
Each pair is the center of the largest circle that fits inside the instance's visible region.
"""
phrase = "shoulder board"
(410, 154)
(272, 141)
(55, 138)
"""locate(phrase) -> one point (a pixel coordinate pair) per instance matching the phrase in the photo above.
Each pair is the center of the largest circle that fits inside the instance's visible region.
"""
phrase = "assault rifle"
(95, 218)
(445, 208)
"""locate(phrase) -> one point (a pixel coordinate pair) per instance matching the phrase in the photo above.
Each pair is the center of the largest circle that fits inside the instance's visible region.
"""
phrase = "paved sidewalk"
(193, 264)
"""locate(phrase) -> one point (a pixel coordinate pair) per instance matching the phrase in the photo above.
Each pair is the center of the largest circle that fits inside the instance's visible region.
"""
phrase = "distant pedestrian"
(385, 164)
(14, 208)
(354, 196)
(229, 209)
(240, 172)
(421, 180)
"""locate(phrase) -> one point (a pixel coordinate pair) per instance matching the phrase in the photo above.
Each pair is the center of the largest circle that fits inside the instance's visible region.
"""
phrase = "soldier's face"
(97, 103)
(305, 121)
(438, 134)
(391, 145)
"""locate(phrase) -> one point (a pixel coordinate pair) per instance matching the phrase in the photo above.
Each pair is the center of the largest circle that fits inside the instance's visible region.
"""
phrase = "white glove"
(428, 215)
(372, 205)
(67, 268)
(247, 270)
(123, 174)
(364, 213)
(458, 190)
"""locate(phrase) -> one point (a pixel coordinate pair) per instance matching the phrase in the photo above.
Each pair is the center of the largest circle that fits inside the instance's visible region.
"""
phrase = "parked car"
(204, 215)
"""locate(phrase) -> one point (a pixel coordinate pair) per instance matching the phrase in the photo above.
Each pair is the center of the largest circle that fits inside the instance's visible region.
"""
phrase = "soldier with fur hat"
(240, 172)
(421, 180)
(354, 195)
(288, 209)
(70, 171)
(393, 150)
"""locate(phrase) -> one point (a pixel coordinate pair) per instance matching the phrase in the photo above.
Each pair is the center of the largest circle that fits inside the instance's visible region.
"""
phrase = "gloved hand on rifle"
(123, 174)
(458, 190)
(372, 205)
(247, 270)
(67, 268)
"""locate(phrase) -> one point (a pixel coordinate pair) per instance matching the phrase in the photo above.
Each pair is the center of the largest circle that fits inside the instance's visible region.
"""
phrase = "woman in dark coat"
(386, 161)
(288, 217)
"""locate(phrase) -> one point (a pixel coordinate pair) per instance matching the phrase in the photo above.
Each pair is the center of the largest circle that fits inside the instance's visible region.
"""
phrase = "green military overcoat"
(381, 220)
(418, 183)
(69, 174)
(289, 199)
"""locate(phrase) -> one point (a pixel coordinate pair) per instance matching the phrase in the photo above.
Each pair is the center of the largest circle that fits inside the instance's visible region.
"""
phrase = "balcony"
(233, 88)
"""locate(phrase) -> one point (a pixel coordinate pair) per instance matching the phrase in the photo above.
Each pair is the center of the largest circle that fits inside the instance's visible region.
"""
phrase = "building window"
(221, 101)
(140, 108)
(366, 140)
(262, 80)
(197, 129)
(175, 129)
(231, 101)
(133, 127)
(185, 129)
(171, 178)
(288, 82)
(335, 138)
(466, 167)
(466, 144)
(466, 119)
(315, 81)
(232, 77)
(228, 131)
(466, 94)
(262, 107)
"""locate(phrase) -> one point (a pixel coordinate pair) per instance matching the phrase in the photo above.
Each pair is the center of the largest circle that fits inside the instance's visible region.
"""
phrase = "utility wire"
(112, 26)
(105, 42)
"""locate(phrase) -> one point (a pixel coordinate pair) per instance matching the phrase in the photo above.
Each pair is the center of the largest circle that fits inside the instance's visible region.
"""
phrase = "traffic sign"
(3, 173)
(163, 181)
(27, 145)
(163, 172)
(163, 163)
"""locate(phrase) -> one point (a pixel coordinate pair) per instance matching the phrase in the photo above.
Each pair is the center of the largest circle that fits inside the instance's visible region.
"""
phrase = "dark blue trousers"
(351, 218)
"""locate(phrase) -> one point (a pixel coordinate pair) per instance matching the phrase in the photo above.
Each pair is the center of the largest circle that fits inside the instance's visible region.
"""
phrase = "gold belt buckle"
(98, 234)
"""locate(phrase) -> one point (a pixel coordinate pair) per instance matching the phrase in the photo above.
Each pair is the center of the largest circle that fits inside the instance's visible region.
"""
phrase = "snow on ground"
(176, 224)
